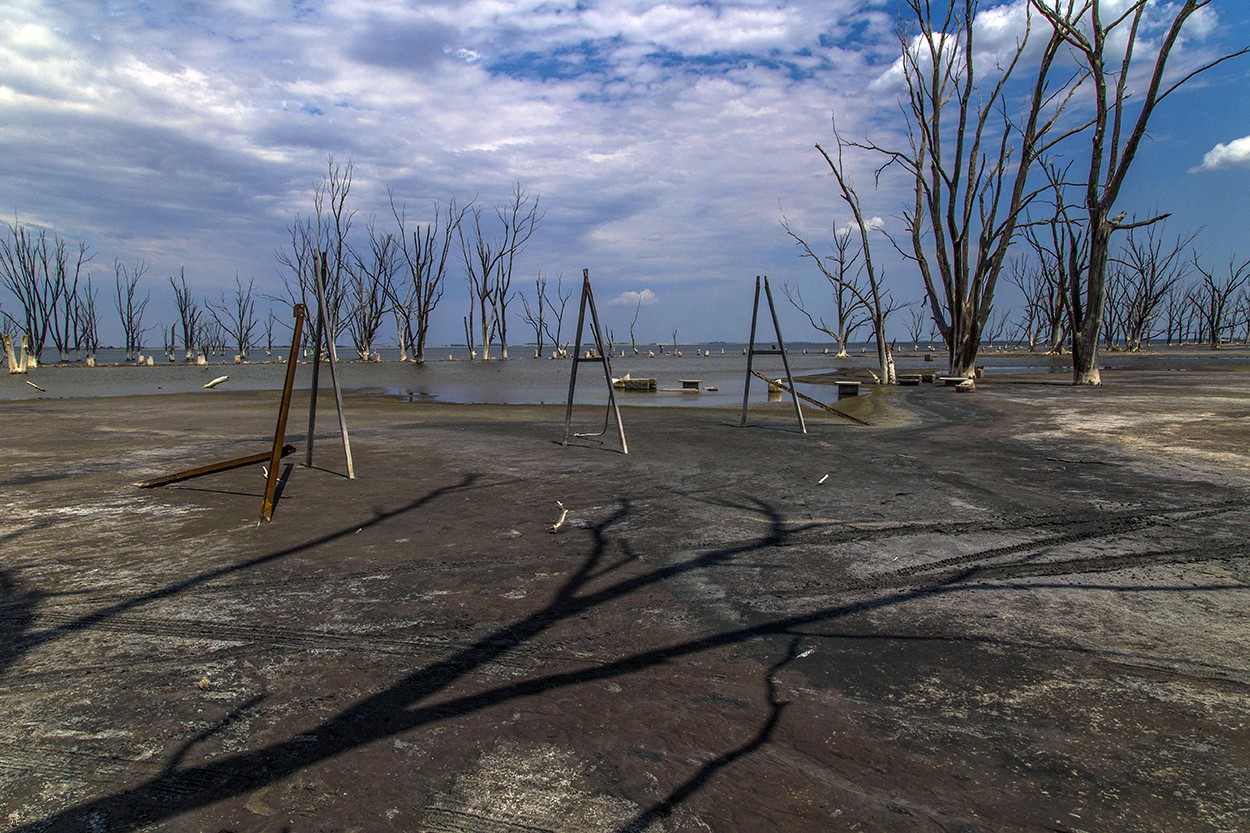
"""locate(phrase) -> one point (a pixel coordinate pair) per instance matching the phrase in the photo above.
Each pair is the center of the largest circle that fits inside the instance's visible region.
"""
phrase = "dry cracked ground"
(1022, 609)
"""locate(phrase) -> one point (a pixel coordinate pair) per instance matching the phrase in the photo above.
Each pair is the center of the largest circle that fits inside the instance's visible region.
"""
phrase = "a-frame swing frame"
(752, 352)
(600, 355)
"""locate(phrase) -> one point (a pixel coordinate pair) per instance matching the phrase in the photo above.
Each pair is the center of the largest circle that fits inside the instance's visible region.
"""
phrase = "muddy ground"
(1022, 609)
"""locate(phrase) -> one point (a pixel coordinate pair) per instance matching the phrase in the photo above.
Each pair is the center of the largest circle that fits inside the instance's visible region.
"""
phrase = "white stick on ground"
(217, 381)
(564, 514)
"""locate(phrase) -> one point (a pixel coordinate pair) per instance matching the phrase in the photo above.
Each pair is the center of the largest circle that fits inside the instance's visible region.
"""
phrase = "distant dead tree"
(87, 321)
(24, 271)
(418, 285)
(489, 260)
(1147, 269)
(326, 230)
(633, 322)
(872, 294)
(535, 315)
(65, 275)
(557, 307)
(130, 307)
(237, 320)
(840, 270)
(189, 313)
(1105, 39)
(370, 284)
(917, 320)
(1215, 298)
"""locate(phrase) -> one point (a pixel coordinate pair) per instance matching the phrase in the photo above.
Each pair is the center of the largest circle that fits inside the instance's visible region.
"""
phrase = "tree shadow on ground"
(413, 701)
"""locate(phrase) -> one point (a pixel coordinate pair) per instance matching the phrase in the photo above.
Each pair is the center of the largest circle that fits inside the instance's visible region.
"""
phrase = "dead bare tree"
(534, 315)
(370, 284)
(424, 251)
(87, 321)
(1149, 267)
(562, 295)
(237, 319)
(873, 295)
(633, 322)
(489, 260)
(130, 307)
(840, 270)
(1215, 298)
(326, 230)
(25, 260)
(971, 157)
(1108, 48)
(65, 275)
(520, 218)
(189, 313)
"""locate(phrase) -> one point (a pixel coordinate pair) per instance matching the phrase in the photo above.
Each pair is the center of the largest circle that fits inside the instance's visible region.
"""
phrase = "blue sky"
(664, 139)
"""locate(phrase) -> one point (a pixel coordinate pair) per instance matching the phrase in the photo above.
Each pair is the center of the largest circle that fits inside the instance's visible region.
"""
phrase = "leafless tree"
(535, 315)
(66, 274)
(87, 321)
(371, 281)
(1215, 298)
(326, 230)
(520, 218)
(1147, 269)
(237, 320)
(557, 308)
(850, 311)
(189, 313)
(424, 250)
(872, 294)
(270, 318)
(25, 259)
(633, 322)
(1104, 38)
(130, 307)
(489, 260)
(971, 156)
(916, 322)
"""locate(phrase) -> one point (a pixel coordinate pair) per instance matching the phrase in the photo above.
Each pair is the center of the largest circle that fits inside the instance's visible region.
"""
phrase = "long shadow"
(400, 707)
(31, 640)
(18, 611)
(411, 702)
(664, 808)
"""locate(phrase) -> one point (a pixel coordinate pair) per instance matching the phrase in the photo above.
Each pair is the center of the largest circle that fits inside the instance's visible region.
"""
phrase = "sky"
(665, 140)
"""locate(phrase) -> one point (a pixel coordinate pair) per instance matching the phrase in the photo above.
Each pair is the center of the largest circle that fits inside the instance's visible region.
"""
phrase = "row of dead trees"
(1030, 142)
(400, 271)
(58, 303)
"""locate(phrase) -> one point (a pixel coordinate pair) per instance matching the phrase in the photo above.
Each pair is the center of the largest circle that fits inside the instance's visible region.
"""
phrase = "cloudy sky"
(665, 139)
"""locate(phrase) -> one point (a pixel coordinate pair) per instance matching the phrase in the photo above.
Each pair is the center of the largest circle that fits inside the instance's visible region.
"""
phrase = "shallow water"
(524, 380)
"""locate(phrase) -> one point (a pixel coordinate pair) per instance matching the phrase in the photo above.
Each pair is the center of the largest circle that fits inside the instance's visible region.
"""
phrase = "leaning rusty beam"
(279, 432)
(809, 400)
(213, 468)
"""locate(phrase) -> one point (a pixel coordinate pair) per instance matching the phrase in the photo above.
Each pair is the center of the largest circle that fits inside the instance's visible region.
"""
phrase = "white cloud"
(632, 299)
(1235, 154)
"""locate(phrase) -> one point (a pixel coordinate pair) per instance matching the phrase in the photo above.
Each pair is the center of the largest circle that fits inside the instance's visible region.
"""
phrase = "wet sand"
(1021, 609)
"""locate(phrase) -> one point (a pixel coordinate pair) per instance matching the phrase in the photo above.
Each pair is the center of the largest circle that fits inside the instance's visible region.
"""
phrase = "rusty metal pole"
(279, 434)
(213, 468)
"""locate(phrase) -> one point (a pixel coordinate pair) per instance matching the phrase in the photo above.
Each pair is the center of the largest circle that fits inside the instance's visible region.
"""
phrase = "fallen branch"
(216, 381)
